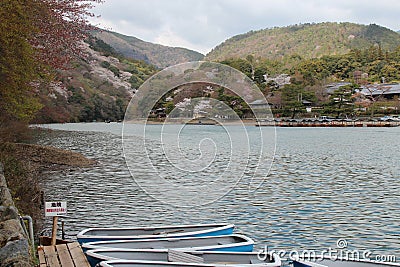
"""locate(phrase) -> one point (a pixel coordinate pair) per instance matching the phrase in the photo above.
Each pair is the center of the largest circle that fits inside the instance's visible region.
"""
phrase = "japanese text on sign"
(55, 208)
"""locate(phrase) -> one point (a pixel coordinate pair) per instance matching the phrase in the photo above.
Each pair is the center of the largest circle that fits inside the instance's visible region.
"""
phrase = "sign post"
(55, 209)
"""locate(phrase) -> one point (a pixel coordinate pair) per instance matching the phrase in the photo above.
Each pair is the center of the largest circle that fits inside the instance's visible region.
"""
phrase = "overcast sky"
(203, 24)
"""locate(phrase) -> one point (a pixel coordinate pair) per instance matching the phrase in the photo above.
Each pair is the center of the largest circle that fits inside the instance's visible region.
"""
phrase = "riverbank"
(25, 165)
(43, 157)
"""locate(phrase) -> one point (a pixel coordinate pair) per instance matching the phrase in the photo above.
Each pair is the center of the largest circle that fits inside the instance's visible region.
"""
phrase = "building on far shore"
(386, 90)
(332, 87)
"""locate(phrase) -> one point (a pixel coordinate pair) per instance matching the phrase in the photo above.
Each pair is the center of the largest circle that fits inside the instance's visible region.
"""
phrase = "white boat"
(234, 242)
(251, 259)
(129, 233)
(125, 263)
(329, 262)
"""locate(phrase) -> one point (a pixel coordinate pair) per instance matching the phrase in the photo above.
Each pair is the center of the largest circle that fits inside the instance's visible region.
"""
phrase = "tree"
(341, 102)
(250, 59)
(18, 68)
(374, 94)
(391, 72)
(241, 65)
(61, 27)
(291, 99)
(36, 36)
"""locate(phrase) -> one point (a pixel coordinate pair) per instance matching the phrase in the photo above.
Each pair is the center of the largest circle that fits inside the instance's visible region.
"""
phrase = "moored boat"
(125, 263)
(233, 242)
(171, 231)
(253, 259)
(329, 262)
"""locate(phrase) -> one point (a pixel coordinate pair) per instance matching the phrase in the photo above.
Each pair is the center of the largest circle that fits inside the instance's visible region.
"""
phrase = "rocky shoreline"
(14, 244)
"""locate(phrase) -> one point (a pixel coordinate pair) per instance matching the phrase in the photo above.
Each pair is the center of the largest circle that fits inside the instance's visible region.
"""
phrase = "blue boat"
(171, 231)
(330, 262)
(253, 259)
(233, 242)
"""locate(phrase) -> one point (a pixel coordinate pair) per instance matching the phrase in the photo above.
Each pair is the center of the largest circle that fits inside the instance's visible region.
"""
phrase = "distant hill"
(156, 54)
(97, 88)
(306, 40)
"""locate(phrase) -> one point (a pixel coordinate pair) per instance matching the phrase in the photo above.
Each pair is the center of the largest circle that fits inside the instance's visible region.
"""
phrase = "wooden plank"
(51, 256)
(64, 256)
(77, 255)
(42, 259)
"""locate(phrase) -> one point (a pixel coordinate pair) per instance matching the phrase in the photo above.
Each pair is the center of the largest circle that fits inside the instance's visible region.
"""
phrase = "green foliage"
(30, 49)
(101, 46)
(292, 99)
(240, 64)
(18, 64)
(341, 101)
(310, 75)
(374, 61)
(169, 106)
(308, 40)
(233, 101)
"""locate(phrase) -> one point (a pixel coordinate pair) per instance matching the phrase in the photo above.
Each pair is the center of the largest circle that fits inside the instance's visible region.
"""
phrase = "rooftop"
(381, 89)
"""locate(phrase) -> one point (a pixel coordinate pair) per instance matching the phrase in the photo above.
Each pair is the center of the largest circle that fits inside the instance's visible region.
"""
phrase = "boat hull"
(233, 243)
(341, 263)
(172, 231)
(120, 263)
(207, 257)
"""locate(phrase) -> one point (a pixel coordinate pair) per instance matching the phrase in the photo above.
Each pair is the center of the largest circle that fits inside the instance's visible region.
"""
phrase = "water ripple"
(324, 184)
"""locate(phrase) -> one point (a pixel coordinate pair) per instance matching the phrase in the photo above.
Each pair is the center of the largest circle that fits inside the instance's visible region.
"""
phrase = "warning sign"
(55, 208)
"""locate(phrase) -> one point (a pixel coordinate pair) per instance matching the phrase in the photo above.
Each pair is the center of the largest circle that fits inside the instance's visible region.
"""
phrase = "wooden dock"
(63, 255)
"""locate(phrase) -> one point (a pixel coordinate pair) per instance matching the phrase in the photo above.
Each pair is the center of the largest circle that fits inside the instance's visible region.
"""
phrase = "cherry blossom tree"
(61, 26)
(35, 37)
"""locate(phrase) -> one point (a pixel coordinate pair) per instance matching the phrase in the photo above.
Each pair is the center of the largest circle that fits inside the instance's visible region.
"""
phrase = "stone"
(13, 225)
(7, 236)
(5, 197)
(3, 181)
(15, 253)
(8, 213)
(16, 262)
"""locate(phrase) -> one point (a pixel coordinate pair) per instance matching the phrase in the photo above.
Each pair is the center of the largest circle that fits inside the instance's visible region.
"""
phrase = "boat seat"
(180, 256)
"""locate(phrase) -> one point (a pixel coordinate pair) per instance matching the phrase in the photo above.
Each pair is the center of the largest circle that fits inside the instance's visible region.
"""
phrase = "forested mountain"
(305, 41)
(100, 86)
(97, 88)
(156, 54)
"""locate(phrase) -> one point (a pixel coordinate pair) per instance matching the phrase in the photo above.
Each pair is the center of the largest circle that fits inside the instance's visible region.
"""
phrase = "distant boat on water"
(202, 121)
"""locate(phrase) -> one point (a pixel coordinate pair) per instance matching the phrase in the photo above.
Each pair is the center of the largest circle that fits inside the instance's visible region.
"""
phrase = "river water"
(324, 185)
